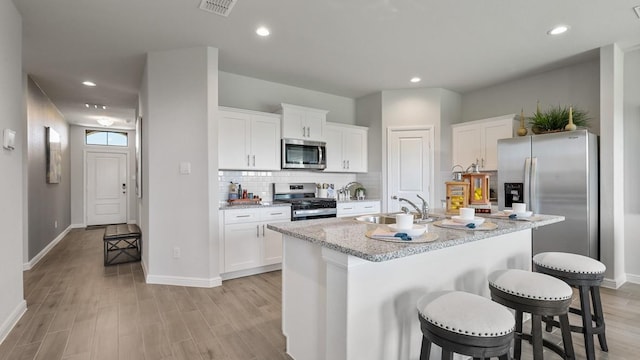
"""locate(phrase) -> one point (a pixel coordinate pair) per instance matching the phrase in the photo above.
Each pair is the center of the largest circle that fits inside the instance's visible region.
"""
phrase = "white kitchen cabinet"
(248, 140)
(356, 208)
(299, 122)
(477, 141)
(248, 244)
(346, 148)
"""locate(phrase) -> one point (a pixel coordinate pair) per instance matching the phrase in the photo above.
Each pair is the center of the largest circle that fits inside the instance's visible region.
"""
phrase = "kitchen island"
(346, 296)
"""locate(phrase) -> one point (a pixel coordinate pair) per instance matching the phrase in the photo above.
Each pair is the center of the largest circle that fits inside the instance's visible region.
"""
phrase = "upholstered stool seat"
(537, 294)
(466, 324)
(585, 274)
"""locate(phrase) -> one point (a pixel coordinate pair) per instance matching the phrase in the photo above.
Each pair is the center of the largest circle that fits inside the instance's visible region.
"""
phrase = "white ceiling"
(343, 47)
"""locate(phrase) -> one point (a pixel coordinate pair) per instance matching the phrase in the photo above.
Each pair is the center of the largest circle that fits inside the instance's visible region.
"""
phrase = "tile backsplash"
(259, 182)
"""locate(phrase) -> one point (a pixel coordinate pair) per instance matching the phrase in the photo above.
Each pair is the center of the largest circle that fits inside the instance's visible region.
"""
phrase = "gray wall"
(47, 203)
(631, 164)
(254, 94)
(78, 147)
(11, 166)
(578, 85)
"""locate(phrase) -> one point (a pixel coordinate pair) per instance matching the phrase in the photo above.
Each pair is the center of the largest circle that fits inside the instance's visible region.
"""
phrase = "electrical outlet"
(55, 224)
(176, 252)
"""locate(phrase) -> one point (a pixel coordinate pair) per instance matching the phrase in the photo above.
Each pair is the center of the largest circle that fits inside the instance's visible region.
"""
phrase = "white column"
(612, 163)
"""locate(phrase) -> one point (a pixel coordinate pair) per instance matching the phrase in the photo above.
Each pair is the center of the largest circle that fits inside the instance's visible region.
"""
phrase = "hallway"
(80, 310)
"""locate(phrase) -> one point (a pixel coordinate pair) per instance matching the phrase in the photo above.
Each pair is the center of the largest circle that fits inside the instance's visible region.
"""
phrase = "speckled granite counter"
(347, 236)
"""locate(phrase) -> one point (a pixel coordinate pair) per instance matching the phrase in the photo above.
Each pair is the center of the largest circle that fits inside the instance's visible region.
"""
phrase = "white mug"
(467, 213)
(404, 221)
(519, 207)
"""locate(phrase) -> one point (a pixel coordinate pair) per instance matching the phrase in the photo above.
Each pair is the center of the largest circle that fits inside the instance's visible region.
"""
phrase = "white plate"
(416, 230)
(476, 221)
(524, 215)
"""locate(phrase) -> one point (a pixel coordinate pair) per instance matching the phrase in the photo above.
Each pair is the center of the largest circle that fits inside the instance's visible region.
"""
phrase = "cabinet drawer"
(241, 216)
(275, 214)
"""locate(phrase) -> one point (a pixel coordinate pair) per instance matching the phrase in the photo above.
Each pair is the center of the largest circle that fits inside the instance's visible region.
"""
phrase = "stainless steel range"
(304, 204)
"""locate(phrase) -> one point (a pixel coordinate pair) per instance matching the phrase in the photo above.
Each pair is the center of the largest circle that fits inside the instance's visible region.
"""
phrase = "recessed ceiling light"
(88, 83)
(262, 31)
(557, 30)
(415, 79)
(95, 106)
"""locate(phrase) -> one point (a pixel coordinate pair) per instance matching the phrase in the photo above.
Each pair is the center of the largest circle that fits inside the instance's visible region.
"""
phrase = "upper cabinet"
(346, 147)
(477, 141)
(248, 140)
(303, 123)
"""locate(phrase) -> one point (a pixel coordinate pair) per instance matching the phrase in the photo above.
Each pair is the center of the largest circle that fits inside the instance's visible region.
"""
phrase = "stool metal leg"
(425, 351)
(587, 324)
(566, 337)
(536, 332)
(599, 317)
(517, 346)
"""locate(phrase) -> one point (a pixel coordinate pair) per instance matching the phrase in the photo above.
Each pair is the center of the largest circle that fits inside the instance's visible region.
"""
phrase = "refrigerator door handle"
(527, 180)
(533, 200)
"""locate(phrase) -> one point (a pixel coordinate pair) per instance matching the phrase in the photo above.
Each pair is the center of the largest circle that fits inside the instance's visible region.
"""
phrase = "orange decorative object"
(457, 196)
(478, 188)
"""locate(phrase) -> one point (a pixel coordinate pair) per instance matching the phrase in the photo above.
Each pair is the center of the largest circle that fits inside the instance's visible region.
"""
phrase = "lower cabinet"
(248, 244)
(354, 208)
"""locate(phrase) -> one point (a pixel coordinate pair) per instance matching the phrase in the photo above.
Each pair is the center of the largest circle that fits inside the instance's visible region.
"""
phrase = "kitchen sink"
(390, 218)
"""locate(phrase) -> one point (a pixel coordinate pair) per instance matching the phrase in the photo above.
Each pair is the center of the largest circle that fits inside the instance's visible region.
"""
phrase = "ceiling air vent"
(220, 7)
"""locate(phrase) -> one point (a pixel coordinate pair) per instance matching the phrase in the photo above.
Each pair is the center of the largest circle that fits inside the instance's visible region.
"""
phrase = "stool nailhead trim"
(528, 296)
(466, 332)
(567, 270)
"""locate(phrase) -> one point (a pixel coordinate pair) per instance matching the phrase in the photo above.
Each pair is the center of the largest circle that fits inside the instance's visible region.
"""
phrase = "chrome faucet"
(424, 212)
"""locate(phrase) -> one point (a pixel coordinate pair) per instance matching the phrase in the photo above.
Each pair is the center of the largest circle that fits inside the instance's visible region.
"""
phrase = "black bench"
(122, 243)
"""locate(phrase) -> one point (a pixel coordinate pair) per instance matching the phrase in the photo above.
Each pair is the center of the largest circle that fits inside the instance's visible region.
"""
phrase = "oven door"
(309, 214)
(301, 154)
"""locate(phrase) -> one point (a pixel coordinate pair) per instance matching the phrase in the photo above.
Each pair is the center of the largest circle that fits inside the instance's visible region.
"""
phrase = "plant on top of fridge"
(556, 118)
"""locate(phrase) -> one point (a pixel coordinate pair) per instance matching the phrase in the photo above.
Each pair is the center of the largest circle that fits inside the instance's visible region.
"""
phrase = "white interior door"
(106, 185)
(410, 167)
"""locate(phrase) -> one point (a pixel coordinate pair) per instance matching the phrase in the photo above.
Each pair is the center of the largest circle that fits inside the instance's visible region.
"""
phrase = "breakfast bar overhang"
(346, 296)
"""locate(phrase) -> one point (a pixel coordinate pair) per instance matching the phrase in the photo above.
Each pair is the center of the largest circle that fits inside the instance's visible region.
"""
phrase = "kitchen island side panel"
(369, 308)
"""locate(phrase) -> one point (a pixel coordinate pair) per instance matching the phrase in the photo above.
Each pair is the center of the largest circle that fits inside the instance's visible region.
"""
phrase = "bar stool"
(466, 324)
(537, 294)
(585, 274)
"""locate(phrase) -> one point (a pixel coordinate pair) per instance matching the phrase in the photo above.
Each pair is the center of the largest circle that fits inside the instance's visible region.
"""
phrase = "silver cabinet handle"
(276, 213)
(308, 131)
(303, 130)
(254, 160)
(263, 230)
(243, 216)
(248, 163)
(348, 165)
(257, 230)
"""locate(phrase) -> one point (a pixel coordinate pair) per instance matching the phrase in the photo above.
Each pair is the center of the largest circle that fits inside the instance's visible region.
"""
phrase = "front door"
(106, 185)
(410, 165)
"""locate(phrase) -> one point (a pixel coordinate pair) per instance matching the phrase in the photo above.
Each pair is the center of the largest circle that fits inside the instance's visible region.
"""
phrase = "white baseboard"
(12, 320)
(31, 263)
(249, 272)
(634, 279)
(614, 283)
(183, 281)
(78, 226)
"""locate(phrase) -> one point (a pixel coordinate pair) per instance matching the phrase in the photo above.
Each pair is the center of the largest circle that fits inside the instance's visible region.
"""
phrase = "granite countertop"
(347, 235)
(257, 206)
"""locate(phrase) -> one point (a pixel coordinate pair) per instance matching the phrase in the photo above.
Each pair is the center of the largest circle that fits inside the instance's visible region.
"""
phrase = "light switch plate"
(9, 139)
(185, 168)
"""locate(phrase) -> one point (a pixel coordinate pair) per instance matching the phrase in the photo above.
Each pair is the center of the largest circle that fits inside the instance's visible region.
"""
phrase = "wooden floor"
(78, 309)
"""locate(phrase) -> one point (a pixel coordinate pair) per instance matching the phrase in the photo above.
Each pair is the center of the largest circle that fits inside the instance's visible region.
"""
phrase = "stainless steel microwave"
(304, 154)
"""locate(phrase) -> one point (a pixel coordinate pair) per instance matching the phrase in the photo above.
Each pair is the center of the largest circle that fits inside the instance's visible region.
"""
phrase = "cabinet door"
(314, 121)
(346, 209)
(265, 143)
(241, 246)
(466, 145)
(293, 124)
(233, 140)
(333, 138)
(354, 150)
(492, 132)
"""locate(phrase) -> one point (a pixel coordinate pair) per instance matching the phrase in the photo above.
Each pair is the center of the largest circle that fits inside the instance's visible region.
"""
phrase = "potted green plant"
(556, 118)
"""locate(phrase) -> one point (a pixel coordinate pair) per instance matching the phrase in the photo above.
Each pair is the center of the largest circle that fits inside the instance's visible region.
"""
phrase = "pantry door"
(409, 166)
(106, 186)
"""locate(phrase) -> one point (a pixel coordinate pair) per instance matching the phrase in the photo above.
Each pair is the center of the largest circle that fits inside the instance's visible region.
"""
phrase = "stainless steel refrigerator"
(554, 174)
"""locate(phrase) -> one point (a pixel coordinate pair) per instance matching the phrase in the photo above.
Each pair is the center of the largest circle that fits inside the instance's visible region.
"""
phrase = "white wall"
(78, 148)
(631, 164)
(369, 114)
(254, 94)
(578, 85)
(179, 127)
(12, 116)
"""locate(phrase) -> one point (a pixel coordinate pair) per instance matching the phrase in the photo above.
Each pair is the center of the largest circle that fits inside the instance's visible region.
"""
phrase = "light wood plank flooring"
(79, 310)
